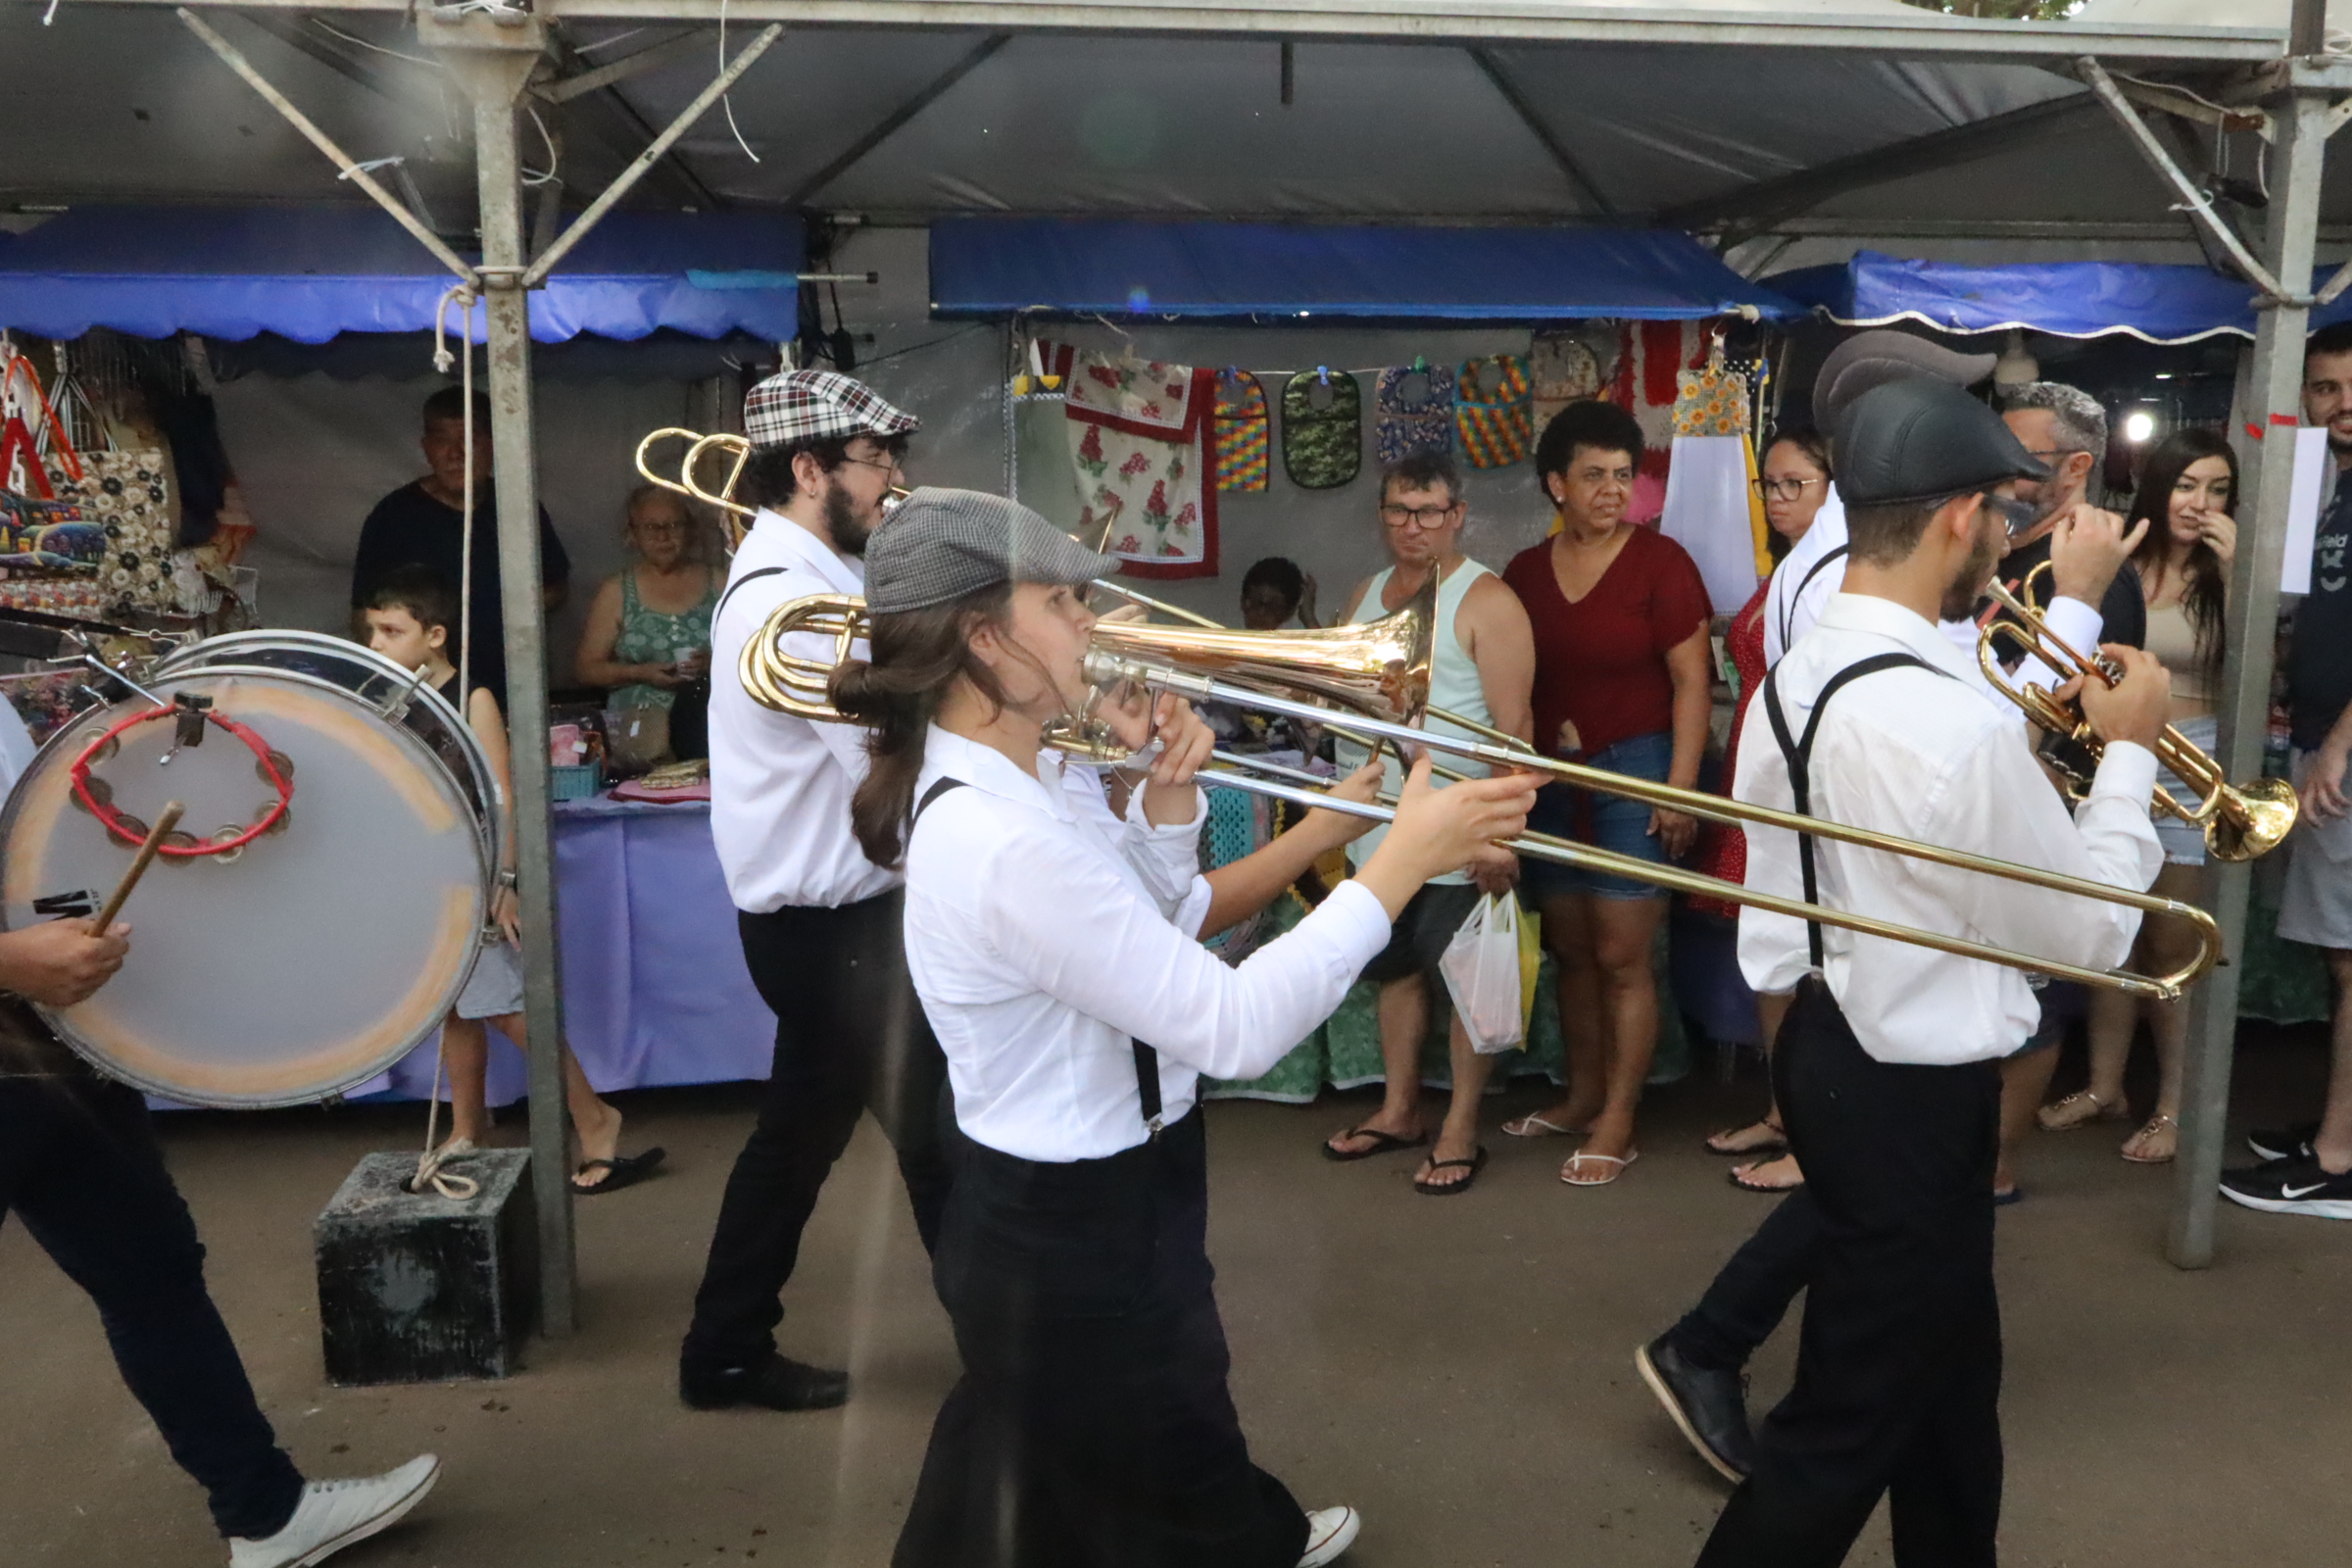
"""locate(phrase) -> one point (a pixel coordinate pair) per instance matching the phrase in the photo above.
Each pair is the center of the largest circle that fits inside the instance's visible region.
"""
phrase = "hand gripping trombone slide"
(1380, 671)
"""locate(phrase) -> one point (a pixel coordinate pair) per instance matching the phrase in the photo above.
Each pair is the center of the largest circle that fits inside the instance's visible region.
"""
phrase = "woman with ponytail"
(1055, 948)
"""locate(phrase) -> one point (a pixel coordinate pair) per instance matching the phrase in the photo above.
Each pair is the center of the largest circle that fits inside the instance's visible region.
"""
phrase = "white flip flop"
(1535, 1126)
(1606, 1159)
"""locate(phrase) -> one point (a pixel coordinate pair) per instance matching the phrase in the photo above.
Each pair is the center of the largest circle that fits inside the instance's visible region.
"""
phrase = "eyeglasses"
(1783, 489)
(674, 527)
(1417, 516)
(889, 463)
(2015, 515)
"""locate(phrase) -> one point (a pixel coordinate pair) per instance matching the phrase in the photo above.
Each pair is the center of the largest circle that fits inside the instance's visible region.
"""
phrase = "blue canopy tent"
(2067, 299)
(994, 267)
(310, 274)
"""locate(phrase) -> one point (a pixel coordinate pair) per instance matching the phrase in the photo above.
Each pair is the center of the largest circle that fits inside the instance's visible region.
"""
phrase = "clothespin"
(1420, 365)
(1324, 371)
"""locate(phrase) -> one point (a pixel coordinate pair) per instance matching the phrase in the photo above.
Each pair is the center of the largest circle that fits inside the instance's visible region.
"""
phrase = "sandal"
(2079, 1110)
(1429, 1188)
(1616, 1167)
(1742, 1176)
(1738, 1140)
(1382, 1143)
(626, 1171)
(1532, 1125)
(2154, 1127)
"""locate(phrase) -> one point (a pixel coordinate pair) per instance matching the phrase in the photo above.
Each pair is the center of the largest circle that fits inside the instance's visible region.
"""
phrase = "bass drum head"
(287, 972)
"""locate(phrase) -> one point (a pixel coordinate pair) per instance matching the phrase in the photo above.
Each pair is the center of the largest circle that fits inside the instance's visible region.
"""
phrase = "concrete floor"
(1459, 1370)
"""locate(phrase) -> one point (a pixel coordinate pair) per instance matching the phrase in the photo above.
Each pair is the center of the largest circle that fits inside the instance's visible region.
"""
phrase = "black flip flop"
(1474, 1164)
(1737, 1172)
(626, 1171)
(1382, 1144)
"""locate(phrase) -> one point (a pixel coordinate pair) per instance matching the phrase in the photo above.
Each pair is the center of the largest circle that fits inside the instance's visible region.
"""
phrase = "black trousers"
(850, 1037)
(1898, 1372)
(80, 1166)
(1092, 1427)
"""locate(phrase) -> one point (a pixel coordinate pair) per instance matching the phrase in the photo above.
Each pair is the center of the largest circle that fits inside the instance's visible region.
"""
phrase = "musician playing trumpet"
(1055, 949)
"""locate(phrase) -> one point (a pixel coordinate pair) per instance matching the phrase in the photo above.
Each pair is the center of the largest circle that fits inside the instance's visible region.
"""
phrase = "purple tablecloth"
(655, 988)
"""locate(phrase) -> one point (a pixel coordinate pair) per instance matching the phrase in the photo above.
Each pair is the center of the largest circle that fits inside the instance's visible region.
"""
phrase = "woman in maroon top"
(1620, 618)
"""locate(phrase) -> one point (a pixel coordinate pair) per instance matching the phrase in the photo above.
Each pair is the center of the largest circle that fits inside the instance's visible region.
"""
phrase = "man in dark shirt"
(424, 525)
(2065, 427)
(2306, 1170)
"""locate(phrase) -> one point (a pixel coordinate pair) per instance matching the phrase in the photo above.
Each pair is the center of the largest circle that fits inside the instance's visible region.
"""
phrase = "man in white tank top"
(1483, 668)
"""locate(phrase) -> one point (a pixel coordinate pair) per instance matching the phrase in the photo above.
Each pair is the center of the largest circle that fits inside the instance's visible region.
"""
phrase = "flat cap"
(939, 545)
(1875, 358)
(1919, 440)
(820, 405)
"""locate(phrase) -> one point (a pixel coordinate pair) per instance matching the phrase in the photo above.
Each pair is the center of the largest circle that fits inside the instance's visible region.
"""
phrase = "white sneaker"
(332, 1514)
(1328, 1533)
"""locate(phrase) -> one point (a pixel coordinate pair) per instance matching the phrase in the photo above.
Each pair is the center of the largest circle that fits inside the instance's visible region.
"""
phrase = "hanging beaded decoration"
(191, 714)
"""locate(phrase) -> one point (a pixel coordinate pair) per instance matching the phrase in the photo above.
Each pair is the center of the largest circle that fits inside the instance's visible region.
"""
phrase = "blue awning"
(309, 274)
(2068, 299)
(989, 267)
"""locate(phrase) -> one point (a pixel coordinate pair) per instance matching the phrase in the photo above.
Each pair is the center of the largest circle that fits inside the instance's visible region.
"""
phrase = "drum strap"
(1147, 1059)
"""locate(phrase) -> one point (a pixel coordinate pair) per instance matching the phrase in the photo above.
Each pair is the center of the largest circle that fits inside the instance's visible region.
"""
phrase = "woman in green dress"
(648, 626)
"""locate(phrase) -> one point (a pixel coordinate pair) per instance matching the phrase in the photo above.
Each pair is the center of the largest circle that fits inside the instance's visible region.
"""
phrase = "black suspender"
(749, 576)
(1788, 605)
(1798, 753)
(1147, 1059)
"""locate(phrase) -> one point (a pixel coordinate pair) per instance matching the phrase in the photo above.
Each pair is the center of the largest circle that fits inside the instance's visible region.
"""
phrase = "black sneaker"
(1709, 1408)
(2290, 1187)
(778, 1383)
(2284, 1143)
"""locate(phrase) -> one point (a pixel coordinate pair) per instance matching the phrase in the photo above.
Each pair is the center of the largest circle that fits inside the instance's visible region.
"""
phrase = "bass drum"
(288, 970)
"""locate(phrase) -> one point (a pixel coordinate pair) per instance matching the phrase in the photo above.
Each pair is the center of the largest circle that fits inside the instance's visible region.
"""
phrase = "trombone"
(1379, 670)
(684, 484)
(2241, 821)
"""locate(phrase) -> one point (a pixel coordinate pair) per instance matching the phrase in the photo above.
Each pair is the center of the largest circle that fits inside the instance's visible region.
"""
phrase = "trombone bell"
(1375, 668)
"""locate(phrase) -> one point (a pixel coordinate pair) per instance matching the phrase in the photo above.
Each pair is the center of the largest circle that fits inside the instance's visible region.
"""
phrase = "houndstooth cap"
(939, 545)
(814, 404)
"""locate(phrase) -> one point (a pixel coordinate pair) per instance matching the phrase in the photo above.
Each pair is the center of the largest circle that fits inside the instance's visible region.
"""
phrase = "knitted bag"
(1415, 409)
(1322, 429)
(1491, 413)
(1563, 369)
(1244, 433)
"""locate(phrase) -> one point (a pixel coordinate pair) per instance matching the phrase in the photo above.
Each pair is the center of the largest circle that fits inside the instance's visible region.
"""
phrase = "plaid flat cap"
(940, 545)
(814, 404)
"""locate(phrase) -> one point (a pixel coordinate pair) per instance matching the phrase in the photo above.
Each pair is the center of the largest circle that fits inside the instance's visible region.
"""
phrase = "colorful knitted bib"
(1244, 433)
(1491, 414)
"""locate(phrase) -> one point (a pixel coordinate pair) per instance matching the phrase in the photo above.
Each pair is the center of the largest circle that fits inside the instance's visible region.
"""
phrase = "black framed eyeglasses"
(1783, 489)
(2015, 515)
(1417, 516)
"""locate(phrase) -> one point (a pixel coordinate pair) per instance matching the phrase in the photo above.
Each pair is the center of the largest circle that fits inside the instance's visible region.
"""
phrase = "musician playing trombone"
(1885, 1064)
(1055, 948)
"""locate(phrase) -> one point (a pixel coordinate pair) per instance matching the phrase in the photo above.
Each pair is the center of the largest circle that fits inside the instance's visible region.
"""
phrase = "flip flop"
(1776, 1142)
(1474, 1164)
(1738, 1177)
(1606, 1159)
(2015, 1195)
(1532, 1125)
(1382, 1144)
(626, 1171)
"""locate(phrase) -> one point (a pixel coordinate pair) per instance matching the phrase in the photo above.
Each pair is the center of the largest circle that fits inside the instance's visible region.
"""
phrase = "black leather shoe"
(1710, 1409)
(778, 1383)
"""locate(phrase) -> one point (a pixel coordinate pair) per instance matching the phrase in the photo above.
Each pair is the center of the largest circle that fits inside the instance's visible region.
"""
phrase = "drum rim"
(489, 821)
(11, 808)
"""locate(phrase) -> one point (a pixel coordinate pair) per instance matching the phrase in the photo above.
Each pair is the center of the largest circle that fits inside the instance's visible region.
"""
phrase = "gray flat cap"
(1922, 440)
(1875, 358)
(940, 545)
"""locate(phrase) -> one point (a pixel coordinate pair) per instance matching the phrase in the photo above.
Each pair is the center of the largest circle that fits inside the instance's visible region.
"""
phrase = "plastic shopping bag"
(1482, 974)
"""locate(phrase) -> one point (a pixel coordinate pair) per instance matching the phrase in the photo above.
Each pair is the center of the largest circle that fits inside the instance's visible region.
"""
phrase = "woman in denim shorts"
(1622, 683)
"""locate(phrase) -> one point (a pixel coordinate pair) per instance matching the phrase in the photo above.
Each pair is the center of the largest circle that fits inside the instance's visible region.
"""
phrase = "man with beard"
(2065, 431)
(1886, 1065)
(819, 922)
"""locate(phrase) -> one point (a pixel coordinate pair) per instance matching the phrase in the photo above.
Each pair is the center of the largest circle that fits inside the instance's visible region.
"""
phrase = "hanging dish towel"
(1563, 369)
(1245, 433)
(1414, 408)
(1322, 429)
(1490, 411)
(1140, 439)
(1708, 501)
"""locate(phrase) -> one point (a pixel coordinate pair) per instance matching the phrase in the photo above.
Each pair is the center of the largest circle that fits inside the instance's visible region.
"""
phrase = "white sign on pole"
(2313, 467)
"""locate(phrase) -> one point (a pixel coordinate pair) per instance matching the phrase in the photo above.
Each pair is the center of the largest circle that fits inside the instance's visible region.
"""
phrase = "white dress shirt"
(780, 786)
(1788, 612)
(1043, 935)
(1910, 753)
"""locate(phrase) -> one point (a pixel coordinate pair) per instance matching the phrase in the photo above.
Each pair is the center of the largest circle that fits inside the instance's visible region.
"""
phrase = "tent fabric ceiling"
(307, 273)
(984, 266)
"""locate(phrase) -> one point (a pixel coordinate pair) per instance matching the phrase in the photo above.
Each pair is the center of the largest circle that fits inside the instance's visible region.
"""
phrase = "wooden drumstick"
(164, 825)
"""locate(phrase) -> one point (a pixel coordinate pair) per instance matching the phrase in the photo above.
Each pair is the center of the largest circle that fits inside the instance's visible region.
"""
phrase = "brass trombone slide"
(1111, 669)
(2241, 821)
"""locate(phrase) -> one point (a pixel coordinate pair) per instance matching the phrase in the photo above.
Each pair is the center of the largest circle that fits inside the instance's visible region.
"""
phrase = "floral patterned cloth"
(1414, 408)
(1139, 440)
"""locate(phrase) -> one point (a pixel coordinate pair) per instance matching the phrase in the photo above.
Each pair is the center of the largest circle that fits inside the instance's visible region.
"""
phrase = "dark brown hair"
(916, 656)
(1817, 452)
(2206, 592)
(426, 594)
(767, 477)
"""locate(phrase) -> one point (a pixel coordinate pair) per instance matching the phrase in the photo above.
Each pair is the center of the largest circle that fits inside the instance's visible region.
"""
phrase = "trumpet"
(2241, 821)
(1377, 671)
